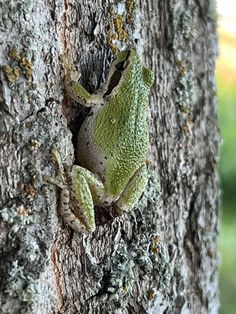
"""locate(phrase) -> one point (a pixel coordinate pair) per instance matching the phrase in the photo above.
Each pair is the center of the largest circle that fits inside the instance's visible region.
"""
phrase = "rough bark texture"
(162, 258)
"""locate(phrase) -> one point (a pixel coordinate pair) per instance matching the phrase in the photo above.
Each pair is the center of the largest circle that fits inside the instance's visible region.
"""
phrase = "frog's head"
(116, 70)
(125, 60)
(130, 56)
(122, 56)
(125, 56)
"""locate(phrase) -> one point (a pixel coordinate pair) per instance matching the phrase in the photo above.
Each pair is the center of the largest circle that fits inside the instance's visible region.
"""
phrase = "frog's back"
(121, 129)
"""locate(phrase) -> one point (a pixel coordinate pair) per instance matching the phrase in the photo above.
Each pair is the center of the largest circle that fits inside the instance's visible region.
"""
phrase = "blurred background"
(226, 81)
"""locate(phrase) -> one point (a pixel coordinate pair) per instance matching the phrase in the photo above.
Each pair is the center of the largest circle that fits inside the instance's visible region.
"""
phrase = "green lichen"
(19, 65)
(17, 217)
(12, 73)
(20, 284)
(130, 5)
(120, 22)
(119, 28)
(130, 263)
(189, 23)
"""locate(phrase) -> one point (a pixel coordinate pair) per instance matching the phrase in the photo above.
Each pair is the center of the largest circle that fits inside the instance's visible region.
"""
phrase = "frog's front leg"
(81, 95)
(133, 191)
(75, 89)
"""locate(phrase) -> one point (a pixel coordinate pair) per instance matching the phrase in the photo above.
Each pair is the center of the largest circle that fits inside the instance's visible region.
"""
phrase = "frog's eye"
(122, 56)
(121, 65)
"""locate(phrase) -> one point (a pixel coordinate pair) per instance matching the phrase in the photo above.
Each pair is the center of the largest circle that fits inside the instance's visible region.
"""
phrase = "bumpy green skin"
(112, 142)
(121, 129)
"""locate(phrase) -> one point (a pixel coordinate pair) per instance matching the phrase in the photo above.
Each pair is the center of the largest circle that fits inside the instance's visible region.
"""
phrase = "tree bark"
(162, 257)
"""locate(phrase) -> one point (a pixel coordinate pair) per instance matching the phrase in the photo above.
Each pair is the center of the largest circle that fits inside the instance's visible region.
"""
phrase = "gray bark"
(161, 258)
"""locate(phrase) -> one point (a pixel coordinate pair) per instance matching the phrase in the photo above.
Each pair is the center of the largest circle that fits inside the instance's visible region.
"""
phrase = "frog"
(112, 143)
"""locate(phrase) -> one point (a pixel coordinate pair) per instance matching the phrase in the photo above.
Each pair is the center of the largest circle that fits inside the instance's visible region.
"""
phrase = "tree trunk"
(162, 257)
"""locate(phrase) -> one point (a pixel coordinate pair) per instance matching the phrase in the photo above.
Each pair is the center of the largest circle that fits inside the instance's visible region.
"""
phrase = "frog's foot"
(68, 215)
(132, 192)
(71, 73)
(71, 217)
(87, 190)
(59, 180)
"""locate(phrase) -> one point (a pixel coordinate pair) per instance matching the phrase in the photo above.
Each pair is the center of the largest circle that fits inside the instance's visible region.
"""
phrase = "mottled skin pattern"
(112, 142)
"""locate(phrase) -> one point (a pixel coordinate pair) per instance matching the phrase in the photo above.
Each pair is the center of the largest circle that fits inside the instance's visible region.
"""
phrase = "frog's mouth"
(116, 76)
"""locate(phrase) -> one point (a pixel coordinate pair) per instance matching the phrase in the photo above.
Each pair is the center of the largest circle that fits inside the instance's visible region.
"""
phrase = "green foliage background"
(227, 242)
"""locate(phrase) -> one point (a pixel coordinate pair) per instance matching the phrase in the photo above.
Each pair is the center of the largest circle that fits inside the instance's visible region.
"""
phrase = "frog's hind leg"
(86, 190)
(133, 191)
(68, 215)
(64, 209)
